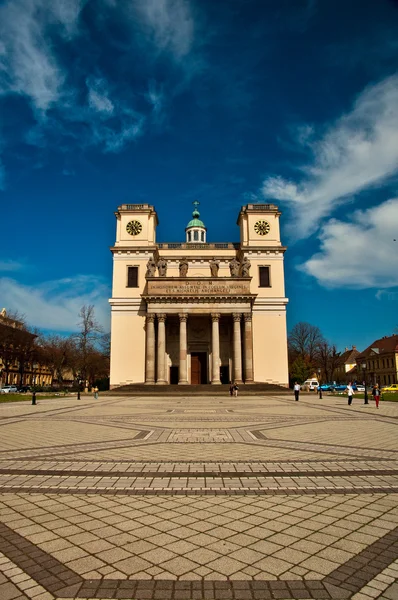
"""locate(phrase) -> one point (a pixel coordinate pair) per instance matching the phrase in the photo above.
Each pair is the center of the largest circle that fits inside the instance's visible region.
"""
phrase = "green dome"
(195, 222)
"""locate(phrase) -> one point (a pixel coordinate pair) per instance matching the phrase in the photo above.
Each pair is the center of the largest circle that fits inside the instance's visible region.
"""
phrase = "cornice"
(184, 299)
(248, 249)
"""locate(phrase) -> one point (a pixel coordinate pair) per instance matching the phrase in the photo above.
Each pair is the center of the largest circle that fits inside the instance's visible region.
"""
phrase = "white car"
(9, 389)
(360, 387)
(310, 385)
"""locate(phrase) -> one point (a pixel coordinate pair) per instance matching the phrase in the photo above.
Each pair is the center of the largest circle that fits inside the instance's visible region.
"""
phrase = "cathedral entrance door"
(224, 374)
(198, 368)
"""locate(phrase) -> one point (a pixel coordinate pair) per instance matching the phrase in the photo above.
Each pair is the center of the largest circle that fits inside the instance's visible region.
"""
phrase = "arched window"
(189, 236)
(202, 235)
(196, 236)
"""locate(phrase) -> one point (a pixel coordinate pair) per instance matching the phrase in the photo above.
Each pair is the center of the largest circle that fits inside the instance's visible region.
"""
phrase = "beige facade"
(378, 363)
(197, 312)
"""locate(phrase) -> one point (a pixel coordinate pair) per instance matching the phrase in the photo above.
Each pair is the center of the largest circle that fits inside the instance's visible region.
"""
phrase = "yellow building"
(378, 363)
(346, 369)
(197, 312)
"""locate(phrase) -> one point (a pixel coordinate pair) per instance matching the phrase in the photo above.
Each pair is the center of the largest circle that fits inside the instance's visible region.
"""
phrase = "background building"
(21, 362)
(197, 312)
(346, 369)
(378, 363)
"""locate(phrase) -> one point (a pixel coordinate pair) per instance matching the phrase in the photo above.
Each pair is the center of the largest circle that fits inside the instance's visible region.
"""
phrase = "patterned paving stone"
(229, 498)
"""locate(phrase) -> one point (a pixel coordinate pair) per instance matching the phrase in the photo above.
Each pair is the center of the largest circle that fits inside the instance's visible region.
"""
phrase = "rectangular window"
(132, 276)
(264, 277)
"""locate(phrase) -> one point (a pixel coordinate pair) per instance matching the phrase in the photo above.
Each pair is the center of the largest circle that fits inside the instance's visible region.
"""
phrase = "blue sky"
(230, 101)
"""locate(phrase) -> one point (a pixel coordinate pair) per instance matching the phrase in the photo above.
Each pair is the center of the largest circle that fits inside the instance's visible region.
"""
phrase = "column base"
(161, 383)
(249, 381)
(216, 382)
(150, 382)
(183, 383)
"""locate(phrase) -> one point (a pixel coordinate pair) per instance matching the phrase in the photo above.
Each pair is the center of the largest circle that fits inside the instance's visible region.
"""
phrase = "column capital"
(161, 317)
(150, 318)
(215, 316)
(183, 317)
(236, 316)
(247, 317)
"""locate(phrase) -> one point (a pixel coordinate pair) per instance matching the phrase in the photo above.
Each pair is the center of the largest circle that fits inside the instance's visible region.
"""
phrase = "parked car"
(339, 387)
(358, 387)
(25, 388)
(9, 389)
(310, 385)
(327, 387)
(390, 388)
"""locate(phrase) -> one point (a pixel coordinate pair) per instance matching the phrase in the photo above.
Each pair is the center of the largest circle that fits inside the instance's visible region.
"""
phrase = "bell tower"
(259, 225)
(136, 225)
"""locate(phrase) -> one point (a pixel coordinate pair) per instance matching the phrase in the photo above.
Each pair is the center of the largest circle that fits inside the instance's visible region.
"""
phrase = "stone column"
(237, 348)
(215, 349)
(183, 368)
(249, 373)
(150, 349)
(161, 378)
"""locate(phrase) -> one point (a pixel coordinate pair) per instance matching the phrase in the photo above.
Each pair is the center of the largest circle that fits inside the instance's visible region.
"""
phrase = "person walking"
(376, 394)
(296, 391)
(236, 388)
(350, 392)
(231, 388)
(96, 393)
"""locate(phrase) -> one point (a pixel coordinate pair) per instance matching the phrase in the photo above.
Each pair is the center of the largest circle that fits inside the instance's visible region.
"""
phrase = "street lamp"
(34, 366)
(319, 383)
(79, 382)
(365, 395)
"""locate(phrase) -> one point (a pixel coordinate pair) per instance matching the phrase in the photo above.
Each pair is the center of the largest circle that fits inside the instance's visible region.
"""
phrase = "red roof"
(388, 343)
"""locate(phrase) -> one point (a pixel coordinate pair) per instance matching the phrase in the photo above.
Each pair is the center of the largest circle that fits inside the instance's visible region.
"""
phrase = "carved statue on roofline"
(234, 267)
(214, 266)
(245, 267)
(162, 267)
(150, 268)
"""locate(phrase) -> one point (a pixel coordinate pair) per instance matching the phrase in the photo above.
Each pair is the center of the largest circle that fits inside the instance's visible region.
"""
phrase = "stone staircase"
(250, 389)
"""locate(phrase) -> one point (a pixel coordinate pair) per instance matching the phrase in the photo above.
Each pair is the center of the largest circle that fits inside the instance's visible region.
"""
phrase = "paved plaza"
(198, 498)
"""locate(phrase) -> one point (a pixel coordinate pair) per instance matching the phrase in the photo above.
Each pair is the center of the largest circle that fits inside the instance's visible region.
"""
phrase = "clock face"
(134, 227)
(262, 227)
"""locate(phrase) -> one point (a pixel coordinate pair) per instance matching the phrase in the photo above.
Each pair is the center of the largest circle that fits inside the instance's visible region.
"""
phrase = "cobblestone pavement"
(198, 498)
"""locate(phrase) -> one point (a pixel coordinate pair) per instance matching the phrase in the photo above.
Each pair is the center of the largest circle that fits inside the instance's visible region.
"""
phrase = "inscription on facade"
(198, 287)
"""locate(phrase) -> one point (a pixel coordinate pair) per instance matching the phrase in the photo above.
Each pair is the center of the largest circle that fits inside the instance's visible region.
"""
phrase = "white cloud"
(361, 253)
(55, 305)
(110, 122)
(98, 96)
(387, 294)
(28, 64)
(169, 23)
(358, 151)
(11, 265)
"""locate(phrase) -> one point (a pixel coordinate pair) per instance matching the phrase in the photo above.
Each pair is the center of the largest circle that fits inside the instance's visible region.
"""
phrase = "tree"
(57, 352)
(328, 360)
(300, 369)
(86, 341)
(305, 341)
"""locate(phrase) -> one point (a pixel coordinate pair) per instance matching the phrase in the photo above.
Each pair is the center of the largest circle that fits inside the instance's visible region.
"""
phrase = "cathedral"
(196, 312)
